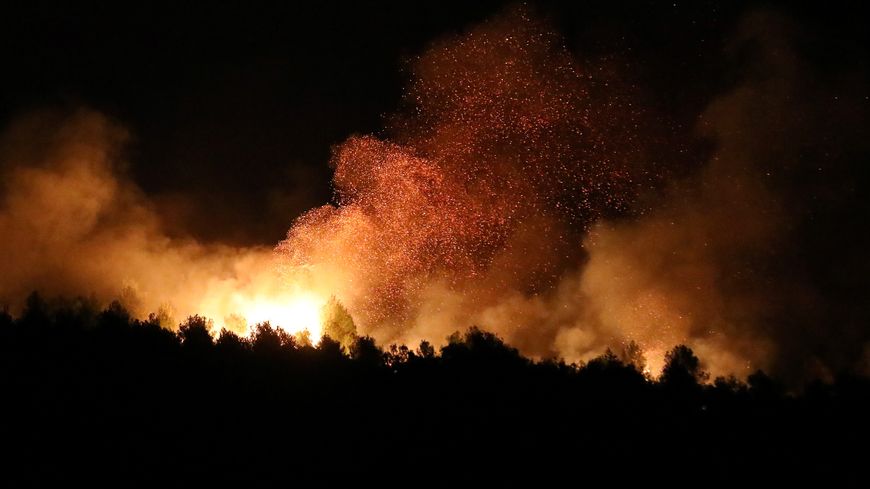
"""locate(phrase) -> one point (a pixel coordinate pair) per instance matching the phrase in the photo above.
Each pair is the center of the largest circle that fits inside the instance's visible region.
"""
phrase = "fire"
(264, 297)
(294, 313)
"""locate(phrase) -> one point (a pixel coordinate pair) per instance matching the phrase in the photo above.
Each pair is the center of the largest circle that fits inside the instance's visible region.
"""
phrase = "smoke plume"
(501, 156)
(517, 189)
(507, 195)
(73, 223)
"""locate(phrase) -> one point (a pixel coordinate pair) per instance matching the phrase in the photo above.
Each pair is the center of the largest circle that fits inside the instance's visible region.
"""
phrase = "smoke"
(73, 223)
(507, 194)
(516, 189)
(505, 149)
(723, 262)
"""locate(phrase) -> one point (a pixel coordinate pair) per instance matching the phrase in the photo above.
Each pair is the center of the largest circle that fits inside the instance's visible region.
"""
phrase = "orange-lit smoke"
(72, 223)
(507, 195)
(513, 191)
(474, 209)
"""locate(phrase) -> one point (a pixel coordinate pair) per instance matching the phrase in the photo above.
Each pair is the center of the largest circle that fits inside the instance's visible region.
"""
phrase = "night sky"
(234, 108)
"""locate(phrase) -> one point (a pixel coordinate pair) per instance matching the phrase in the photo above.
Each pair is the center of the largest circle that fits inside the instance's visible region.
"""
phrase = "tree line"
(98, 396)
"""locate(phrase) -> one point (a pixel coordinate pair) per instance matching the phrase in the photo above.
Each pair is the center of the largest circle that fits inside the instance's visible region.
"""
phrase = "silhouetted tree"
(194, 333)
(5, 318)
(365, 351)
(329, 349)
(605, 360)
(229, 343)
(398, 355)
(730, 384)
(682, 368)
(6, 330)
(266, 340)
(632, 354)
(481, 349)
(155, 336)
(114, 322)
(36, 312)
(608, 370)
(762, 386)
(426, 350)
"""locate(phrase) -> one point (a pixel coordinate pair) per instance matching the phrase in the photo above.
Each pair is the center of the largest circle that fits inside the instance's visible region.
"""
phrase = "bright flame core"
(294, 314)
(294, 310)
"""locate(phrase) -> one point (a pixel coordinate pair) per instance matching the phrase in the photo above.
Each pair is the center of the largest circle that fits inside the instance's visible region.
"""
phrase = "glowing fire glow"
(264, 297)
(488, 200)
(293, 314)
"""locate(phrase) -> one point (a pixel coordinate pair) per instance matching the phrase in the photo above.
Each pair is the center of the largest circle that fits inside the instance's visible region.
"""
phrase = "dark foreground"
(108, 401)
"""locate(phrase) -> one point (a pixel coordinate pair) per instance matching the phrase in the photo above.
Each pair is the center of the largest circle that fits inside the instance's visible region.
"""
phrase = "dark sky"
(234, 108)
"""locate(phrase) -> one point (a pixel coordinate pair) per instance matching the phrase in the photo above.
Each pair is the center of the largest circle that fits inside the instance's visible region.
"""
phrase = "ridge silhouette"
(99, 397)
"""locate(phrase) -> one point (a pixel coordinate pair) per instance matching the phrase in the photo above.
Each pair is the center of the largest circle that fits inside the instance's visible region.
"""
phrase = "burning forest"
(540, 198)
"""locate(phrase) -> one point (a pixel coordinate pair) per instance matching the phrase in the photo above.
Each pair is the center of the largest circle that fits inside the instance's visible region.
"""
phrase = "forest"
(96, 396)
